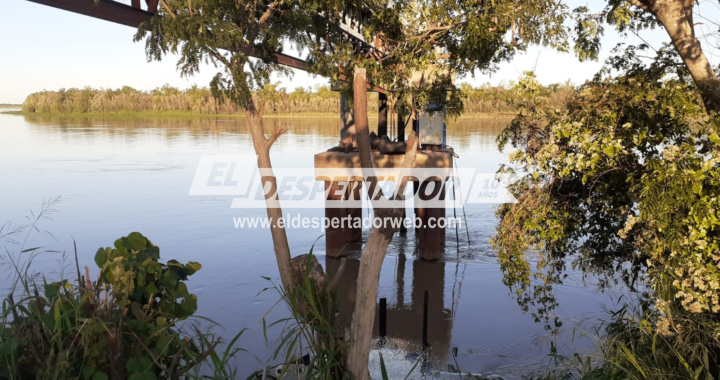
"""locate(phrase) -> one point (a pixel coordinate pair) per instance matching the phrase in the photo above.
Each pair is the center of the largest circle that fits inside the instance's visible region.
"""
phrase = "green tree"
(621, 183)
(434, 38)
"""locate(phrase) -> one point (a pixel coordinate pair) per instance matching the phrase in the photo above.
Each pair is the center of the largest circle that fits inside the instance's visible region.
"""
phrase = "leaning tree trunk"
(262, 147)
(358, 352)
(677, 19)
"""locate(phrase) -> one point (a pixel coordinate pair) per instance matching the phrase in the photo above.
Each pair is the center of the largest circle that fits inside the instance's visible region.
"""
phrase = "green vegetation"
(167, 100)
(620, 181)
(313, 327)
(126, 324)
(623, 184)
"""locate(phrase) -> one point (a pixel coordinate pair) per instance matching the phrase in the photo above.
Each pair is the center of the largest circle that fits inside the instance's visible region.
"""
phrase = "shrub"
(124, 325)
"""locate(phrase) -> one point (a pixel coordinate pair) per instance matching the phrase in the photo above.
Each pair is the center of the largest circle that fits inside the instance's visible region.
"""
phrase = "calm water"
(117, 175)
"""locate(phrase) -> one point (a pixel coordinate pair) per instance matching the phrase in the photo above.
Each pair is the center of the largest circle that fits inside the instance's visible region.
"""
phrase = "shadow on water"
(118, 175)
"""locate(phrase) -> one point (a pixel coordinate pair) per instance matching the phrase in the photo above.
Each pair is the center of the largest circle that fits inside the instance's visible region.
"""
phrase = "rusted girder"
(127, 15)
(123, 14)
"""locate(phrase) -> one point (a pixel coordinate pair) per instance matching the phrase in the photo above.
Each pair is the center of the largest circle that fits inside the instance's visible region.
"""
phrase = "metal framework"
(131, 16)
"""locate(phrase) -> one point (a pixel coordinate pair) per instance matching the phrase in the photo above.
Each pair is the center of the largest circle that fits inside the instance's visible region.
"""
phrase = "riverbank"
(478, 102)
(190, 114)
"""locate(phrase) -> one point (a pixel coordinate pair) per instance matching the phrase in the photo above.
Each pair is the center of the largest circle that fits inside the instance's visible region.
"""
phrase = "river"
(116, 175)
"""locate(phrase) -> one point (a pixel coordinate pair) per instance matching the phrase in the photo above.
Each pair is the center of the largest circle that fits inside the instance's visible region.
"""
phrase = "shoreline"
(187, 114)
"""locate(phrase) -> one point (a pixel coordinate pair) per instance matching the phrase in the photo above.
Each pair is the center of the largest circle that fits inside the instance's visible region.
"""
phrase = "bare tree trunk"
(358, 352)
(677, 18)
(262, 147)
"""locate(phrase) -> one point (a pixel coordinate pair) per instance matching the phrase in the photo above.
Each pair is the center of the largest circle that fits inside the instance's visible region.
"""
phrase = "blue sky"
(47, 48)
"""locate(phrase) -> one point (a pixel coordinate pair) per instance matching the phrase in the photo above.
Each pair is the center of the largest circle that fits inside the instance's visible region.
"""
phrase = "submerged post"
(382, 329)
(425, 321)
(425, 345)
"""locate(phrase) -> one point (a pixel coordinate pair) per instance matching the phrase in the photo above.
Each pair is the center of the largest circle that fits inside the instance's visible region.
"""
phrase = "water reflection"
(404, 316)
(118, 175)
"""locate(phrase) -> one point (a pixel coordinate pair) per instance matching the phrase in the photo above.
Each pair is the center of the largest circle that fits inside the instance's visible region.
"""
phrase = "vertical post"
(344, 232)
(400, 295)
(152, 6)
(400, 128)
(135, 4)
(382, 115)
(425, 345)
(347, 120)
(403, 229)
(353, 234)
(425, 322)
(431, 240)
(335, 239)
(382, 330)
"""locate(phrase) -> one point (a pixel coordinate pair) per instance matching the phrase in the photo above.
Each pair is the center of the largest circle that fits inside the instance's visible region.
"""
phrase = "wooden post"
(431, 240)
(135, 4)
(382, 115)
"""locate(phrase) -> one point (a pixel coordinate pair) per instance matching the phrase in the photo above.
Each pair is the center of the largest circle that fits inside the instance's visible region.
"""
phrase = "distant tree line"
(197, 100)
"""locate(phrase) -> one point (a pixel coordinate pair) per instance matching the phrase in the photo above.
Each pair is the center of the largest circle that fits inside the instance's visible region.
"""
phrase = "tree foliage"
(622, 183)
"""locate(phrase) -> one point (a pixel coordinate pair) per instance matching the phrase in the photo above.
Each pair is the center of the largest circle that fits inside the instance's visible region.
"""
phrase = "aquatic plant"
(125, 324)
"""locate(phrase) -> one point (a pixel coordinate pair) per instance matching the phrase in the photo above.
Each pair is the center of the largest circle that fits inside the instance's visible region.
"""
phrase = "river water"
(122, 174)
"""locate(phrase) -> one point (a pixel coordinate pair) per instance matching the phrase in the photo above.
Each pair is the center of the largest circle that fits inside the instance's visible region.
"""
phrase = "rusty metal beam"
(104, 9)
(123, 14)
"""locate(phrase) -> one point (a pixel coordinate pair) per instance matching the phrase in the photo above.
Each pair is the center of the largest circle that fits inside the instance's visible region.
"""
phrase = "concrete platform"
(341, 160)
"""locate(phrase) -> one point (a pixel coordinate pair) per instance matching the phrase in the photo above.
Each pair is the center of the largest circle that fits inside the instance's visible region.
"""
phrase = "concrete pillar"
(431, 241)
(343, 235)
(382, 115)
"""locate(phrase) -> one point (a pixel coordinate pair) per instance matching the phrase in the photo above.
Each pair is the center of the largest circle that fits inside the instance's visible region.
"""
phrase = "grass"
(631, 346)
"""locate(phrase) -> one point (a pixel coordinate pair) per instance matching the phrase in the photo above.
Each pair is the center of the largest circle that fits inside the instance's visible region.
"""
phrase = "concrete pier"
(340, 238)
(431, 241)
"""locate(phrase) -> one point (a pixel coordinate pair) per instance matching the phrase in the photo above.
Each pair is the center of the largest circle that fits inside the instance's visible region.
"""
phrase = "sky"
(44, 48)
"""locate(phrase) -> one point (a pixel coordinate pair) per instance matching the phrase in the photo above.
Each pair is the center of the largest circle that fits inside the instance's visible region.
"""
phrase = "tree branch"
(167, 8)
(277, 132)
